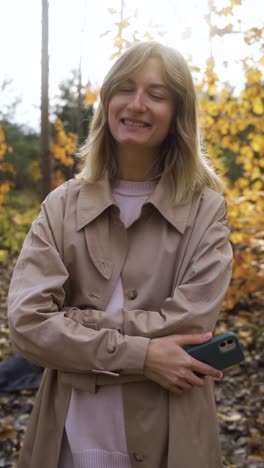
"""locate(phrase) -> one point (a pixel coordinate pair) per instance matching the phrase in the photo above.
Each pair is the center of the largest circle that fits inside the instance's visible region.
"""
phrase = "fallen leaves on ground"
(240, 395)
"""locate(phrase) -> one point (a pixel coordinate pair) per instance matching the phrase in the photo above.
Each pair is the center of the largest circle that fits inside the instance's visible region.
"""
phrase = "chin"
(132, 142)
(134, 146)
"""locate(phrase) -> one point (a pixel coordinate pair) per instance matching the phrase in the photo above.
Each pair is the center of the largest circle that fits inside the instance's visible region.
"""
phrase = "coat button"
(139, 457)
(131, 294)
(111, 348)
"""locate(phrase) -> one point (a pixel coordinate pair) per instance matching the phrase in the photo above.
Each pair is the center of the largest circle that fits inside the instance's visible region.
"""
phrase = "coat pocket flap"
(82, 382)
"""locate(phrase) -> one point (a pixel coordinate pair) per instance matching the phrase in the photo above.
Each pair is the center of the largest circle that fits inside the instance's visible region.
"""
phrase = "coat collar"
(178, 215)
(95, 198)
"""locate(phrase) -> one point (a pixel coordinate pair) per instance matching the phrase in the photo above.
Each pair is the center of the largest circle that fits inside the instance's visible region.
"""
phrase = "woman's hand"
(169, 365)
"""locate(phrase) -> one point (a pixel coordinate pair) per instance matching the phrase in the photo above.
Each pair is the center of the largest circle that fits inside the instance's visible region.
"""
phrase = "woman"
(123, 268)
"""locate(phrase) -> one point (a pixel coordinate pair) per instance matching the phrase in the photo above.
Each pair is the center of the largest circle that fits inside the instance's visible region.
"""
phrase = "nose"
(137, 102)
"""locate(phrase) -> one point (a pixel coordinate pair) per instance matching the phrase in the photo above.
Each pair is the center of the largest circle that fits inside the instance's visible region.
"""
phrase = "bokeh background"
(54, 56)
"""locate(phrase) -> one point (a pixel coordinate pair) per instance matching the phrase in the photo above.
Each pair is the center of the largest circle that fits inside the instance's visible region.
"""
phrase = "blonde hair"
(181, 159)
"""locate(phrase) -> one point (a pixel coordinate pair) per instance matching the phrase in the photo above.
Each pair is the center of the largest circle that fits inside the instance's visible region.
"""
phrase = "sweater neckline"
(129, 188)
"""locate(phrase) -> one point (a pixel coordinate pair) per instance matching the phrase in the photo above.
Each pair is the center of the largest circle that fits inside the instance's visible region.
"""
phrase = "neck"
(136, 164)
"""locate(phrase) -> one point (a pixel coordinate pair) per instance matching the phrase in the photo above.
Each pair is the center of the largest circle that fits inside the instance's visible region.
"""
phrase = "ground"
(239, 395)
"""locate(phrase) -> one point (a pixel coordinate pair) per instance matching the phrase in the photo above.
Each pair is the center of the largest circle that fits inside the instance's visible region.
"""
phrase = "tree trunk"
(45, 152)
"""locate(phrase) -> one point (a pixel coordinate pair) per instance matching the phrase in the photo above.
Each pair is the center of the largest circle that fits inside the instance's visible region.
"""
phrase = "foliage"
(9, 101)
(16, 219)
(73, 111)
(6, 169)
(233, 126)
(122, 41)
(74, 105)
(62, 149)
(25, 153)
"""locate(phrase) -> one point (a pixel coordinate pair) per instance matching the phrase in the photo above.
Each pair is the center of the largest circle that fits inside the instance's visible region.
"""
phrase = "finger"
(203, 368)
(195, 381)
(185, 385)
(179, 391)
(195, 338)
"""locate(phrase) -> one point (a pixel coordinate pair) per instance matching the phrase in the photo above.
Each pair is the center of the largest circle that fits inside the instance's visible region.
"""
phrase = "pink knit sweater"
(94, 434)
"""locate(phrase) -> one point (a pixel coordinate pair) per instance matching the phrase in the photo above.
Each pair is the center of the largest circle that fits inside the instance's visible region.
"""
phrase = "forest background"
(231, 119)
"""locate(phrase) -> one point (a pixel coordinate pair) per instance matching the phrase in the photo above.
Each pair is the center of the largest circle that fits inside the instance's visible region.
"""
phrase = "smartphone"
(220, 352)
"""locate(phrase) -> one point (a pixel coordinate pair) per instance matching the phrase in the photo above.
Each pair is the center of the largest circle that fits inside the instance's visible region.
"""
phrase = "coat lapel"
(98, 244)
(92, 216)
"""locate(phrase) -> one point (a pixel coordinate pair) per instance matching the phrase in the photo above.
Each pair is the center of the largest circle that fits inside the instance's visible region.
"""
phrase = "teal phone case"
(220, 352)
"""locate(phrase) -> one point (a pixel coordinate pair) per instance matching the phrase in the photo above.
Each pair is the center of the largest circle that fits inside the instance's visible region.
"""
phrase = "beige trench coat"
(175, 264)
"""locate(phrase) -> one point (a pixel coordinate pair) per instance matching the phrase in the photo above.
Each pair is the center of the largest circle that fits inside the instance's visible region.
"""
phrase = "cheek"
(110, 111)
(111, 116)
(114, 108)
(166, 118)
(169, 116)
(114, 105)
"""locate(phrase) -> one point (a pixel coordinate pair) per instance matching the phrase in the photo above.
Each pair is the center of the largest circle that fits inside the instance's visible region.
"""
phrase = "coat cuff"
(135, 354)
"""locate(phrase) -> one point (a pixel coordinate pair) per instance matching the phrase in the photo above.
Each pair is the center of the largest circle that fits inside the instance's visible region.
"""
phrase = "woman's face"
(141, 109)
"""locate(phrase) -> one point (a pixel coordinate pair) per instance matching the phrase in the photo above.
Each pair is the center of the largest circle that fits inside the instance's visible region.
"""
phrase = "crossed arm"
(53, 336)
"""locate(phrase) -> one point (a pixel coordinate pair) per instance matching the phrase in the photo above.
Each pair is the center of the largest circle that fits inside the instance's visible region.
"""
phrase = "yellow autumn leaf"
(90, 98)
(234, 146)
(124, 23)
(257, 185)
(236, 237)
(112, 11)
(245, 334)
(104, 33)
(3, 253)
(2, 135)
(257, 143)
(3, 149)
(35, 171)
(234, 417)
(148, 36)
(253, 75)
(226, 11)
(258, 106)
(212, 108)
(4, 188)
(212, 90)
(247, 151)
(242, 183)
(18, 219)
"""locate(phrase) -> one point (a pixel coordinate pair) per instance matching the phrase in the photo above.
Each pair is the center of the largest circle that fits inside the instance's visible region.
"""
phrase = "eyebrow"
(160, 86)
(151, 85)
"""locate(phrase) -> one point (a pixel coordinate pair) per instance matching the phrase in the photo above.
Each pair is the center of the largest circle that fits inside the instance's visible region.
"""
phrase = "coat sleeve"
(41, 328)
(196, 301)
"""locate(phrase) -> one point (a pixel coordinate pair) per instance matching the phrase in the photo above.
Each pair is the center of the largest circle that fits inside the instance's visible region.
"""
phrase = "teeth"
(134, 123)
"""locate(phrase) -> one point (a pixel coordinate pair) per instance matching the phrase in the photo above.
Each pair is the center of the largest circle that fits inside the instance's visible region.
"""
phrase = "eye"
(124, 89)
(158, 97)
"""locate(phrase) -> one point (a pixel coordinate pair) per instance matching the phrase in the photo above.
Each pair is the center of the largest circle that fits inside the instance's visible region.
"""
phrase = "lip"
(142, 124)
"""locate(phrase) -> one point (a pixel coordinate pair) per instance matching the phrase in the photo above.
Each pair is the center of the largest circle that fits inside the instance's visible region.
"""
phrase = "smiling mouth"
(134, 123)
